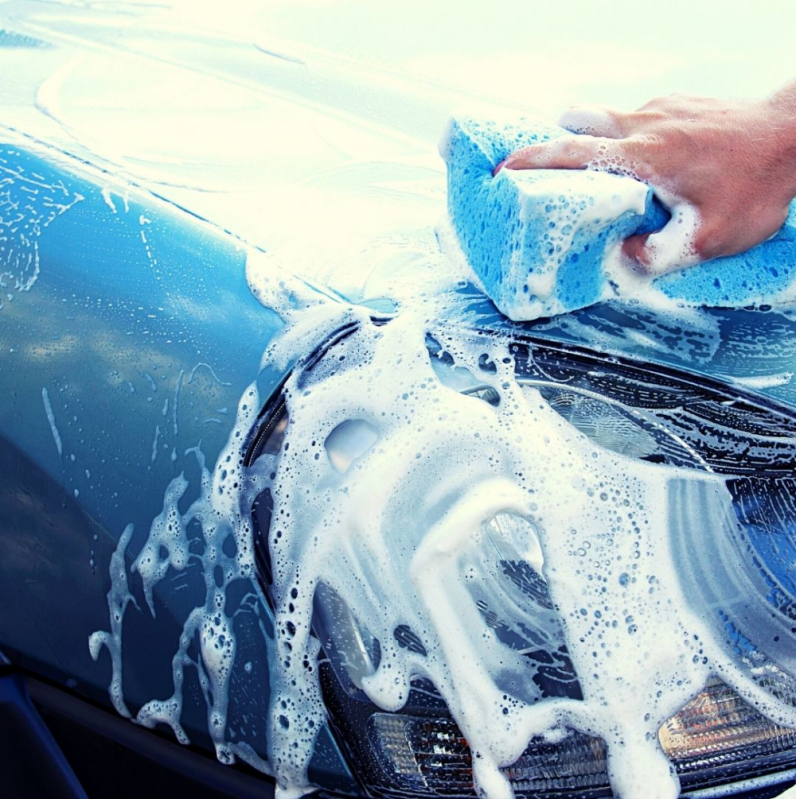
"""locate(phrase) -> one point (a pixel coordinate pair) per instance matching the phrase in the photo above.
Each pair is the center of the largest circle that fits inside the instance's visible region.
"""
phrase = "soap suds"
(592, 120)
(119, 597)
(445, 465)
(764, 381)
(571, 209)
(387, 479)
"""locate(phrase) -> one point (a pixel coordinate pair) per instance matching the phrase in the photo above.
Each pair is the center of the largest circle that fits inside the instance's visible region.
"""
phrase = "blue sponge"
(538, 239)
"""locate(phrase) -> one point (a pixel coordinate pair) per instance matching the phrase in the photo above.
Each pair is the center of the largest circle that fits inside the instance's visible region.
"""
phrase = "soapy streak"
(48, 409)
(209, 369)
(28, 205)
(218, 511)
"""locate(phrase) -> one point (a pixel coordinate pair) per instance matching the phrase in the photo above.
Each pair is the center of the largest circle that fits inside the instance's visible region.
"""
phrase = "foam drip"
(429, 510)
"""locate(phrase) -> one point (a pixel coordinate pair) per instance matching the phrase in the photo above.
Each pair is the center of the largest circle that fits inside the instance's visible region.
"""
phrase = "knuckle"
(572, 149)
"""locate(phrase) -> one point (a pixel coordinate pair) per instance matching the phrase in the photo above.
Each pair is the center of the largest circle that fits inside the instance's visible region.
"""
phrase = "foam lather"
(545, 241)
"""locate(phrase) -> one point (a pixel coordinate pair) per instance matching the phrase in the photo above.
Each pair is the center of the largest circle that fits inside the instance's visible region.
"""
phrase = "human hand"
(726, 170)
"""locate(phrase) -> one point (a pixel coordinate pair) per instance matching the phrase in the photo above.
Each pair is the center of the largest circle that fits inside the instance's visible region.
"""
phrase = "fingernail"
(499, 167)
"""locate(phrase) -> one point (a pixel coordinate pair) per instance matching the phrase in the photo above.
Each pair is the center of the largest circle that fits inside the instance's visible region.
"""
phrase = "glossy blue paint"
(126, 354)
(140, 320)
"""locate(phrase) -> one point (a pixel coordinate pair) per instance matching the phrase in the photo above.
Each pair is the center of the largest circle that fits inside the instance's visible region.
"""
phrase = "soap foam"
(382, 490)
(399, 522)
(592, 120)
(391, 530)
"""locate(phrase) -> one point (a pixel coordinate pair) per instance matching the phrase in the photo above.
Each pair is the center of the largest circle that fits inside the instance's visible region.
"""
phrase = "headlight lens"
(646, 413)
(714, 738)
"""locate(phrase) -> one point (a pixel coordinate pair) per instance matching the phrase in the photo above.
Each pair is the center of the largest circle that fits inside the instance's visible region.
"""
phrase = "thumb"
(671, 248)
(633, 248)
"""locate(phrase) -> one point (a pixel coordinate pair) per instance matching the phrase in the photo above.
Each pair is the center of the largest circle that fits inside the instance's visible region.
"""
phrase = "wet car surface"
(131, 333)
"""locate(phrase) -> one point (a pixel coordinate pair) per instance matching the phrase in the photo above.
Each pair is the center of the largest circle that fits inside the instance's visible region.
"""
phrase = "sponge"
(544, 242)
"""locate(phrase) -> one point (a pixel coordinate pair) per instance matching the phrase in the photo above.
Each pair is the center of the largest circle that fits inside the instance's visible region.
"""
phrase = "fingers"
(673, 247)
(594, 120)
(568, 152)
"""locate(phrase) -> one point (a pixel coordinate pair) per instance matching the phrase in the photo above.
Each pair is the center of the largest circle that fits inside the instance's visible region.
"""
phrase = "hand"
(725, 169)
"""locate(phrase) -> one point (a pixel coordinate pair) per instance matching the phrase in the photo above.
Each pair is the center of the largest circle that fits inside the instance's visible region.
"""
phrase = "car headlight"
(649, 413)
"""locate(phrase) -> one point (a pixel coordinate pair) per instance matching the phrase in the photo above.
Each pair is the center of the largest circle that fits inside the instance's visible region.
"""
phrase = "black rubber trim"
(272, 413)
(31, 763)
(78, 718)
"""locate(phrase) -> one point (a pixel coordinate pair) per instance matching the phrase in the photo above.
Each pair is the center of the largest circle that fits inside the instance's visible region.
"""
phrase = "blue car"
(309, 514)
